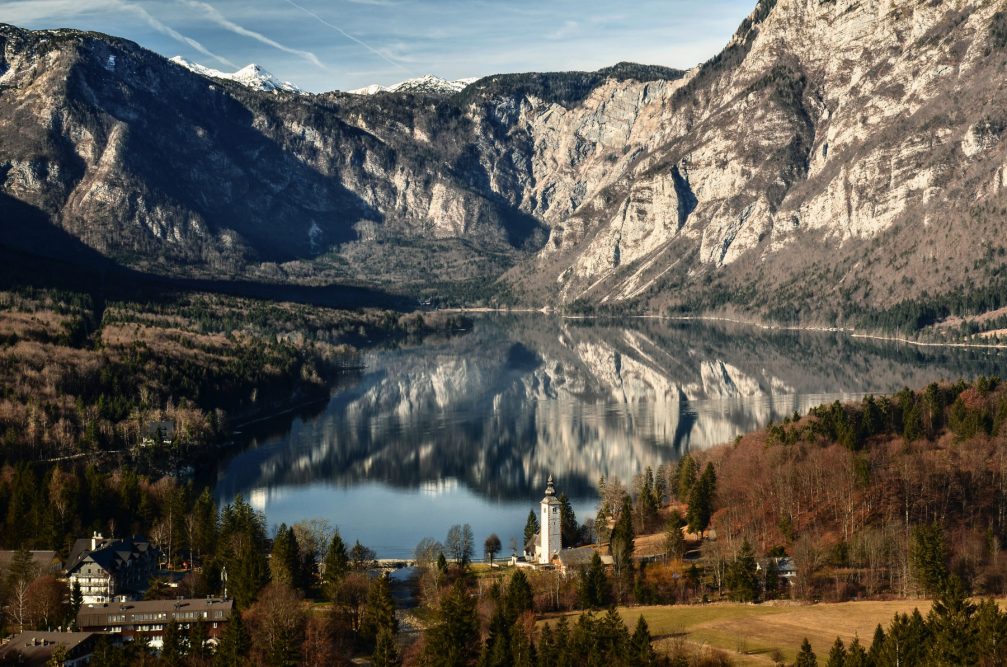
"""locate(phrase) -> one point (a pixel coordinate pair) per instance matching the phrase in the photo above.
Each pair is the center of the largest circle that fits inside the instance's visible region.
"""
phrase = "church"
(546, 543)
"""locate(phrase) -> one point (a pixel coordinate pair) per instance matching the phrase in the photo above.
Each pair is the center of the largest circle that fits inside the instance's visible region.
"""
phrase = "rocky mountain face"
(837, 160)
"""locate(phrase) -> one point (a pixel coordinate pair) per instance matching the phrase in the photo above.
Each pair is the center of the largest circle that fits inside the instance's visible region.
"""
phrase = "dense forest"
(901, 496)
(81, 375)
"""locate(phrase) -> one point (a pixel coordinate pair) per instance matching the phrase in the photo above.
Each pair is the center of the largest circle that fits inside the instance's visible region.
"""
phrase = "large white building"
(548, 541)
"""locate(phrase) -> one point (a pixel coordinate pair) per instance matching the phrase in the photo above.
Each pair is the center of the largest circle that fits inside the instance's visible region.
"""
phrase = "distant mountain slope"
(837, 162)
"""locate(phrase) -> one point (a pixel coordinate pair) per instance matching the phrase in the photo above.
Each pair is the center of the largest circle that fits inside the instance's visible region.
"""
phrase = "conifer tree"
(742, 577)
(771, 585)
(593, 589)
(928, 558)
(569, 529)
(621, 545)
(548, 652)
(806, 657)
(837, 655)
(641, 653)
(522, 649)
(496, 651)
(197, 641)
(285, 560)
(531, 527)
(685, 477)
(379, 611)
(953, 635)
(336, 565)
(877, 645)
(232, 651)
(520, 598)
(991, 633)
(453, 641)
(386, 650)
(701, 498)
(173, 646)
(856, 656)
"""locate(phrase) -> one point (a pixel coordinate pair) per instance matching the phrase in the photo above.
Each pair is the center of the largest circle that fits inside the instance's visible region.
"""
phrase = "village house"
(148, 619)
(36, 649)
(109, 568)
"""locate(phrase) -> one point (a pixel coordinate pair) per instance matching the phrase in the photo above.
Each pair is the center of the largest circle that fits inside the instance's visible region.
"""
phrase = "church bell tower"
(550, 542)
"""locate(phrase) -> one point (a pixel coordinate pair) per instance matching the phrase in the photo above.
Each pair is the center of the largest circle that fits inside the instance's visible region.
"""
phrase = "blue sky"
(344, 44)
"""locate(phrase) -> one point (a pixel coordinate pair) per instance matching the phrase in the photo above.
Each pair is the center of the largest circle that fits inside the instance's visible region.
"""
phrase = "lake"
(467, 428)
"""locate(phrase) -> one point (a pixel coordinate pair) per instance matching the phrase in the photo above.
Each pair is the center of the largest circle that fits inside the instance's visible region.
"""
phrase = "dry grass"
(751, 634)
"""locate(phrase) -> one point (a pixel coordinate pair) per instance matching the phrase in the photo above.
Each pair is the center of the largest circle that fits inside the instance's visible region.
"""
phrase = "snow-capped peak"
(429, 84)
(251, 76)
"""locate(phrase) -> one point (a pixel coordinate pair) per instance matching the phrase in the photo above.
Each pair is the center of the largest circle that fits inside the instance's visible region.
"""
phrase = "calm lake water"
(467, 429)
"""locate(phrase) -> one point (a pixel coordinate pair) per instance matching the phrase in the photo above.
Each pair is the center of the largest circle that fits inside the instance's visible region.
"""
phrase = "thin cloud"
(350, 37)
(224, 22)
(165, 29)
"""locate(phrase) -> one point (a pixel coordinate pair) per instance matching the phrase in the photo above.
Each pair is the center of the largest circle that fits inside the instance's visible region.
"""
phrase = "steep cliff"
(838, 161)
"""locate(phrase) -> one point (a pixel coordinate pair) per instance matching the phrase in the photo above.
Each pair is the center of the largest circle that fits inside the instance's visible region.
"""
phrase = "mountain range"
(838, 162)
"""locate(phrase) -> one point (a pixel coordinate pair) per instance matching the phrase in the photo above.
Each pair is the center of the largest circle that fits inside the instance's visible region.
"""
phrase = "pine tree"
(641, 653)
(76, 600)
(569, 530)
(198, 637)
(173, 647)
(285, 560)
(522, 649)
(701, 498)
(593, 589)
(928, 558)
(336, 565)
(953, 640)
(771, 585)
(991, 633)
(837, 655)
(548, 652)
(856, 656)
(520, 598)
(232, 651)
(877, 646)
(531, 527)
(685, 477)
(379, 611)
(742, 576)
(453, 641)
(386, 650)
(806, 657)
(621, 545)
(496, 651)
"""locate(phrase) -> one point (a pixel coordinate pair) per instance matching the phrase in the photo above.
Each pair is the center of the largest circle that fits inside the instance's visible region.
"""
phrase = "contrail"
(350, 37)
(224, 22)
(171, 32)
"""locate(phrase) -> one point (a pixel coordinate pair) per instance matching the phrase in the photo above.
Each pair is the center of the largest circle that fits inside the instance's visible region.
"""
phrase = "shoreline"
(851, 332)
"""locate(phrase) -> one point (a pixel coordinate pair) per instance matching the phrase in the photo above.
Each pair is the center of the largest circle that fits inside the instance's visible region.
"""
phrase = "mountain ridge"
(836, 163)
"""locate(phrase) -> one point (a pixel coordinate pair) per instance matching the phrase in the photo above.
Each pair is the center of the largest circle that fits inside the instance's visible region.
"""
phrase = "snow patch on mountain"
(252, 76)
(428, 84)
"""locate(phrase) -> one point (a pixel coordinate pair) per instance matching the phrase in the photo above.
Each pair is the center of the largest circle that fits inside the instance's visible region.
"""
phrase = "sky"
(324, 45)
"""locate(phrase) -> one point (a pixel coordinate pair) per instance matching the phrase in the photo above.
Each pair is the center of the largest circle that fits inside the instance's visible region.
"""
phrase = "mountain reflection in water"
(485, 417)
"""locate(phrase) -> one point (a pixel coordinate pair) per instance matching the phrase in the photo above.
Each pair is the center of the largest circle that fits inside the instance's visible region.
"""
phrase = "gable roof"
(110, 555)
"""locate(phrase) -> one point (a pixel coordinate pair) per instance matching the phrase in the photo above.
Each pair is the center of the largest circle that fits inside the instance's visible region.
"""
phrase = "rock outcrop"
(837, 158)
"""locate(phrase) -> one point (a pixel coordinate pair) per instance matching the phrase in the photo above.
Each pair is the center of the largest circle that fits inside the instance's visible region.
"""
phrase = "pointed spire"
(549, 490)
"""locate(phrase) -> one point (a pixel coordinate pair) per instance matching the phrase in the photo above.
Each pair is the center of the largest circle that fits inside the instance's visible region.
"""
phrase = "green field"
(751, 633)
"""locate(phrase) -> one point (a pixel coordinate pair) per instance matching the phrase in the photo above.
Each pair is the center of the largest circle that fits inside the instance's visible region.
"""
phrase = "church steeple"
(550, 532)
